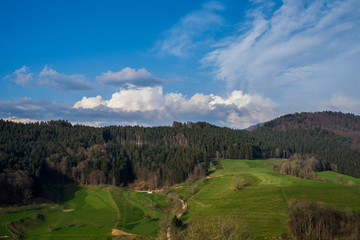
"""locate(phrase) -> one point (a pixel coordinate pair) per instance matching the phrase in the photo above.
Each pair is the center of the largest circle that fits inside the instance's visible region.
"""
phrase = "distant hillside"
(333, 137)
(347, 125)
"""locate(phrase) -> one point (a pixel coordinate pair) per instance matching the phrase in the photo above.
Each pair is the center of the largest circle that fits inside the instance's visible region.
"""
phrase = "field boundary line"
(286, 198)
(117, 209)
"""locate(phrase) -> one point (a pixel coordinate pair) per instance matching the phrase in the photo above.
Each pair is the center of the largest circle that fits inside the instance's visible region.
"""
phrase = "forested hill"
(151, 157)
(333, 137)
(347, 125)
(32, 155)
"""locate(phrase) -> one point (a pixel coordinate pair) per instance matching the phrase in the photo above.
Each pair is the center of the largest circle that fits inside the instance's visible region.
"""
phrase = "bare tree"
(229, 228)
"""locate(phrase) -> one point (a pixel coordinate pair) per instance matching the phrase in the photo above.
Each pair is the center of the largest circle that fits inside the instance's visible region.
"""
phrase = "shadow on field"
(62, 193)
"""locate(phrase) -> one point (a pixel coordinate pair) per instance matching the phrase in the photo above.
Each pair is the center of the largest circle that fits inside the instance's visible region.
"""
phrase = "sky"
(230, 63)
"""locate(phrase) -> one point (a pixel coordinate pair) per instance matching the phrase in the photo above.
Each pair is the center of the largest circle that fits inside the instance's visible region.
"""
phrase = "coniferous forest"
(35, 154)
(148, 157)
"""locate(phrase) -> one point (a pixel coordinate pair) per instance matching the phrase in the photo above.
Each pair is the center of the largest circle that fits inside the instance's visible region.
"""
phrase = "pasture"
(89, 212)
(263, 197)
(248, 189)
(333, 176)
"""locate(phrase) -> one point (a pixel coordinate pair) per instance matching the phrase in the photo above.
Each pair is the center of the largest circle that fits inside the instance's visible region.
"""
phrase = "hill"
(259, 205)
(141, 157)
(58, 152)
(333, 137)
(263, 198)
(346, 125)
(90, 212)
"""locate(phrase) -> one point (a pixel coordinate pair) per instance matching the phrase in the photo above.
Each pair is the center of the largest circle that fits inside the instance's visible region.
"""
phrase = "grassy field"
(249, 189)
(86, 213)
(333, 176)
(139, 212)
(263, 198)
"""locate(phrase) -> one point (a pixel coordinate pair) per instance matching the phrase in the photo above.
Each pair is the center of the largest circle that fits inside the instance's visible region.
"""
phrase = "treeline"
(150, 157)
(298, 166)
(333, 151)
(317, 220)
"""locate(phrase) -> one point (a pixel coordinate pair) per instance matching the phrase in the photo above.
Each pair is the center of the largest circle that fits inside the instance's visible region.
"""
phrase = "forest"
(145, 157)
(35, 154)
(331, 136)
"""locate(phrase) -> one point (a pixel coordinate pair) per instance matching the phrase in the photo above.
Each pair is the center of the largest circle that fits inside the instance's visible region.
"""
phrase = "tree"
(239, 182)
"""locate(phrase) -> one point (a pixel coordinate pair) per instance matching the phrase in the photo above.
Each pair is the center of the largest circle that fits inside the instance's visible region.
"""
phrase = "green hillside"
(339, 178)
(263, 199)
(245, 189)
(91, 213)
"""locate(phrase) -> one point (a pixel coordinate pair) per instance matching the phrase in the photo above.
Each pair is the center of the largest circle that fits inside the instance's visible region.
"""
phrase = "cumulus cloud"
(50, 78)
(21, 76)
(90, 102)
(189, 33)
(129, 76)
(301, 53)
(149, 104)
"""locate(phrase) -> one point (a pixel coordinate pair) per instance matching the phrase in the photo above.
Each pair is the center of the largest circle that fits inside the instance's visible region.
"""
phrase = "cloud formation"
(129, 76)
(21, 76)
(303, 53)
(50, 78)
(188, 33)
(238, 110)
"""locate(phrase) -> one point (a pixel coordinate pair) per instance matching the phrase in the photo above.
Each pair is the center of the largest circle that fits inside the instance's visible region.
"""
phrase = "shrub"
(317, 220)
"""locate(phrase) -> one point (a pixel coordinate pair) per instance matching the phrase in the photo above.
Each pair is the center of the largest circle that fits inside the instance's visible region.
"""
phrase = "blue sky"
(231, 63)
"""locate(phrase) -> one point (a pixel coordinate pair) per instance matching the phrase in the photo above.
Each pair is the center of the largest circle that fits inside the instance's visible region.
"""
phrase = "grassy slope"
(93, 216)
(333, 176)
(139, 212)
(96, 210)
(263, 202)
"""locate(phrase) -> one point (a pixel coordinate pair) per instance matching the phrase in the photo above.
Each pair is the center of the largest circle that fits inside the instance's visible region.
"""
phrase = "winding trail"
(182, 211)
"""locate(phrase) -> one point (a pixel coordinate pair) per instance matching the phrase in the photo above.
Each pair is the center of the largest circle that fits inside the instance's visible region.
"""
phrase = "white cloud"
(188, 33)
(21, 76)
(62, 82)
(340, 103)
(91, 102)
(149, 104)
(137, 99)
(50, 78)
(301, 53)
(129, 76)
(20, 120)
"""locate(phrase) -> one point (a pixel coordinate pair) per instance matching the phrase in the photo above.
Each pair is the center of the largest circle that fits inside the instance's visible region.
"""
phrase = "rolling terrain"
(86, 213)
(261, 201)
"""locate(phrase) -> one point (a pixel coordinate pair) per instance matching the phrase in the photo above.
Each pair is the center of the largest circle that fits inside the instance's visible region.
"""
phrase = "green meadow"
(86, 213)
(333, 176)
(248, 189)
(263, 197)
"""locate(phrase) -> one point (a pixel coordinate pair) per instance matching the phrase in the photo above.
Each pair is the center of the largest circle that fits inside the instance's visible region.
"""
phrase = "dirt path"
(68, 210)
(183, 209)
(117, 232)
